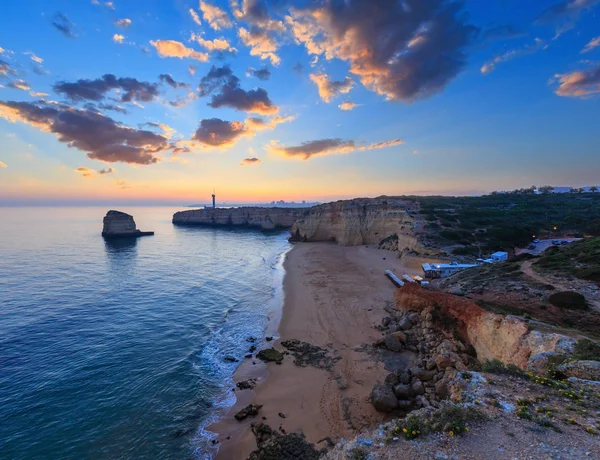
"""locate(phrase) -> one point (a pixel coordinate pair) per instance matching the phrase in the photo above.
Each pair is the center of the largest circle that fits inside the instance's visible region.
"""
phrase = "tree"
(593, 189)
(546, 189)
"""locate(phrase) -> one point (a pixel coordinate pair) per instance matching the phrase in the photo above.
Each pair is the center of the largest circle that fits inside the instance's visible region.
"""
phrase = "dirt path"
(528, 270)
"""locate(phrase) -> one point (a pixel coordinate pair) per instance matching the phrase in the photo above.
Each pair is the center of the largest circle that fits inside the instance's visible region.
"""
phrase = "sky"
(162, 101)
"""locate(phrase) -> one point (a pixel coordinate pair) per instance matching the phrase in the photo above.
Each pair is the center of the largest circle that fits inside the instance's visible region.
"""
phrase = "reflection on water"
(120, 245)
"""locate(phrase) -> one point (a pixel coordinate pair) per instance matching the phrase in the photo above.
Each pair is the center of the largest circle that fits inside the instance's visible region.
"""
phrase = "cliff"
(119, 224)
(388, 222)
(263, 218)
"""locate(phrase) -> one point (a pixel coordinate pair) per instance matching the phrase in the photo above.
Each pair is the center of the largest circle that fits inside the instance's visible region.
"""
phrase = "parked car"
(564, 242)
(556, 242)
(531, 246)
(536, 240)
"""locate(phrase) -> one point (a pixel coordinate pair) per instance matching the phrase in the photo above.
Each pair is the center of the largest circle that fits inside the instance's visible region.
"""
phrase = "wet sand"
(333, 296)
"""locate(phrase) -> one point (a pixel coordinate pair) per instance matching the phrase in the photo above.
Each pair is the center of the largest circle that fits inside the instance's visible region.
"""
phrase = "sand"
(333, 297)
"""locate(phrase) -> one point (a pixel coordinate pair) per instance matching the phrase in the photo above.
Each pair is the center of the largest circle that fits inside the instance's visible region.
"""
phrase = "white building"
(441, 270)
(499, 256)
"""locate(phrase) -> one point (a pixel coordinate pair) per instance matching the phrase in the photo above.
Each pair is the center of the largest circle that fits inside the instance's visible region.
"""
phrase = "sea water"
(115, 350)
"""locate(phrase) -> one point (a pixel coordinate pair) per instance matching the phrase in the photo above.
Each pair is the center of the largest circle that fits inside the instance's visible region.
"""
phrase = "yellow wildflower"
(404, 429)
(451, 433)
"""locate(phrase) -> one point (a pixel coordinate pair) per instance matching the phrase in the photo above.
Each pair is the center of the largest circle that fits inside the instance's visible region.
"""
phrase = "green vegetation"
(569, 300)
(449, 418)
(581, 259)
(503, 222)
(586, 350)
(496, 366)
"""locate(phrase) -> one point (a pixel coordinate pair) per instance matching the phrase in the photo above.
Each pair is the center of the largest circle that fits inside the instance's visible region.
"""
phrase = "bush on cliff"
(568, 299)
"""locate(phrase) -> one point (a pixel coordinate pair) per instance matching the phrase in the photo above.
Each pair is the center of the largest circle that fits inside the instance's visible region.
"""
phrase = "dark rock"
(405, 377)
(270, 354)
(385, 322)
(281, 415)
(392, 379)
(248, 356)
(251, 410)
(418, 388)
(268, 339)
(230, 359)
(395, 341)
(403, 391)
(246, 384)
(442, 390)
(405, 324)
(275, 446)
(383, 398)
(251, 339)
(252, 349)
(306, 354)
(423, 375)
(405, 405)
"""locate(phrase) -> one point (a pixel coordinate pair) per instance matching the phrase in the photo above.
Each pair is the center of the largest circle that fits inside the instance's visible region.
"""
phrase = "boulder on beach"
(270, 354)
(383, 398)
(118, 224)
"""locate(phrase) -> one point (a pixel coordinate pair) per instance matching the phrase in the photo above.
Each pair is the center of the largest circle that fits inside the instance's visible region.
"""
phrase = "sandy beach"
(333, 296)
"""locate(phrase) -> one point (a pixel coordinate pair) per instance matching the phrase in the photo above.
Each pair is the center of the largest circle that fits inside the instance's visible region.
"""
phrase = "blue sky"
(446, 97)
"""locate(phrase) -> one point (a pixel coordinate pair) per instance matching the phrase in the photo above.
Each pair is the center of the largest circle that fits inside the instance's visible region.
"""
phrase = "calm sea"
(115, 350)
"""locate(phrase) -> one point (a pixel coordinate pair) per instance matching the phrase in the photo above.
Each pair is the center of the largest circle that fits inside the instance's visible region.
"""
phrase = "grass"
(448, 418)
(580, 259)
(586, 350)
(496, 366)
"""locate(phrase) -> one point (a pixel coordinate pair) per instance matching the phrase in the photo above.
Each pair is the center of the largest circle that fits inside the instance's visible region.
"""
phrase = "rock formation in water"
(263, 218)
(390, 223)
(117, 224)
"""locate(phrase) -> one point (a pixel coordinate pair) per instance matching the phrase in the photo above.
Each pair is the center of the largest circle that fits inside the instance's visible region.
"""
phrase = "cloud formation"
(538, 44)
(566, 13)
(383, 144)
(34, 58)
(168, 79)
(261, 74)
(195, 17)
(5, 68)
(106, 171)
(224, 88)
(593, 43)
(403, 50)
(172, 48)
(250, 161)
(581, 83)
(218, 44)
(260, 124)
(348, 105)
(214, 132)
(328, 89)
(3, 165)
(215, 16)
(118, 38)
(124, 23)
(307, 150)
(63, 25)
(86, 172)
(96, 90)
(99, 136)
(20, 85)
(38, 94)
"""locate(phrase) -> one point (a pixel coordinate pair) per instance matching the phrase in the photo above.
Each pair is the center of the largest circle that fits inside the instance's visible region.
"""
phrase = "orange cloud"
(307, 150)
(3, 165)
(328, 89)
(172, 48)
(215, 16)
(124, 23)
(250, 161)
(348, 105)
(195, 16)
(383, 144)
(580, 83)
(218, 44)
(118, 38)
(593, 43)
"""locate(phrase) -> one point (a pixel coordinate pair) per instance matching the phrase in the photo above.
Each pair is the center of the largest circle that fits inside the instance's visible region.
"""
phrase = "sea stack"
(118, 224)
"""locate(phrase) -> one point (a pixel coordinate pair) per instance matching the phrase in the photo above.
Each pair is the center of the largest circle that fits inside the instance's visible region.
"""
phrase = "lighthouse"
(213, 197)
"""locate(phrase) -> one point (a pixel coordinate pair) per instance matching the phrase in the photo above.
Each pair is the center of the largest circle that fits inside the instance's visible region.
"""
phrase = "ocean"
(115, 350)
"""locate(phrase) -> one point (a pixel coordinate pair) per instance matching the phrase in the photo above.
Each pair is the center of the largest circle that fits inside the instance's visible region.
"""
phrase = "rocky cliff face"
(117, 224)
(493, 336)
(263, 218)
(390, 223)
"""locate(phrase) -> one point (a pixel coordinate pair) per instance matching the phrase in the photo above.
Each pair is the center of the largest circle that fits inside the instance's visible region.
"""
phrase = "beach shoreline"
(332, 298)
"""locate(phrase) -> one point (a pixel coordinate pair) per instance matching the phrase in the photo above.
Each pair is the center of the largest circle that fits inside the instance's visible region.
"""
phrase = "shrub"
(569, 300)
(587, 350)
(496, 366)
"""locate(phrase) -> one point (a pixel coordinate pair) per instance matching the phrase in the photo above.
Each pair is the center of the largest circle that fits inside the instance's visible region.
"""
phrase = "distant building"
(441, 270)
(499, 256)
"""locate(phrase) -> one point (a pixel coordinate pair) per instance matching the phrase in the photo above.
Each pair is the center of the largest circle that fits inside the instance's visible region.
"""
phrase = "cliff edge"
(390, 223)
(118, 224)
(263, 218)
